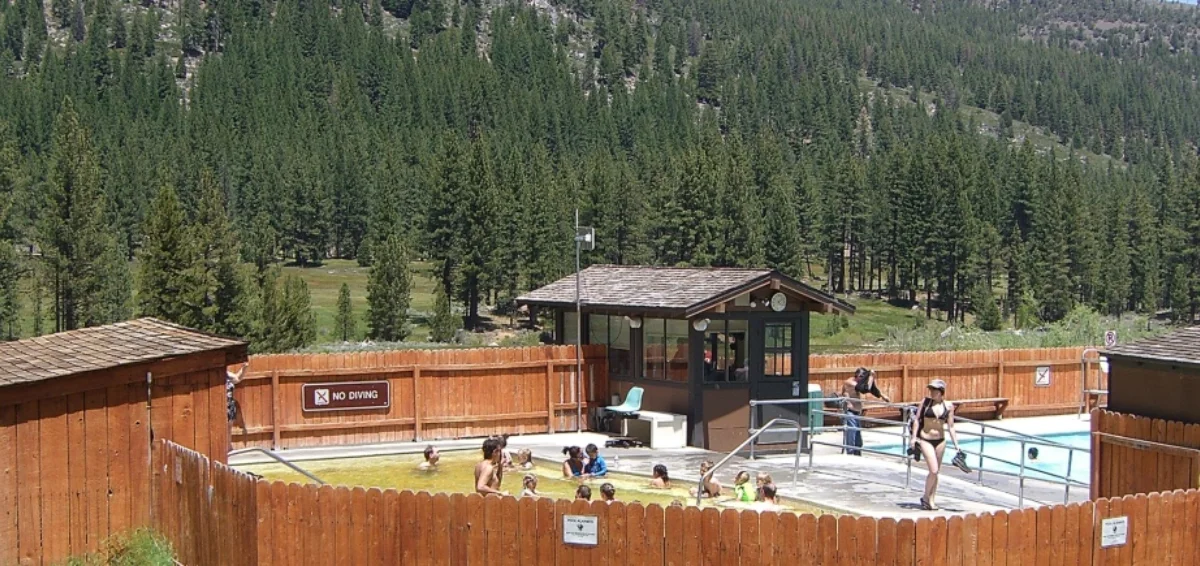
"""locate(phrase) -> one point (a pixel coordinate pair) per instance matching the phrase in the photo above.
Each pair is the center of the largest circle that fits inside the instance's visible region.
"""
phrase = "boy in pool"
(769, 495)
(488, 471)
(762, 480)
(431, 459)
(525, 459)
(595, 467)
(741, 488)
(584, 492)
(608, 493)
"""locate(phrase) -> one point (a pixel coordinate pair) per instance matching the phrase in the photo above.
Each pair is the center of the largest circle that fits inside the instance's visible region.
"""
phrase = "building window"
(725, 349)
(620, 359)
(570, 329)
(654, 358)
(777, 349)
(676, 344)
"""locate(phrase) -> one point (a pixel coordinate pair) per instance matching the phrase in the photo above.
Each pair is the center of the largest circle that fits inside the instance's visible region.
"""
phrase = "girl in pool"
(660, 480)
(431, 459)
(711, 487)
(583, 492)
(525, 459)
(608, 493)
(933, 421)
(573, 466)
(741, 488)
(530, 485)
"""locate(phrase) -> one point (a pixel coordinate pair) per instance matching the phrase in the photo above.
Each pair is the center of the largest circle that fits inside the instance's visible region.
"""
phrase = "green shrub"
(142, 547)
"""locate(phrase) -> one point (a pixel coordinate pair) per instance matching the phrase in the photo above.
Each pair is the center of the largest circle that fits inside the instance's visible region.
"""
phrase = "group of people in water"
(932, 423)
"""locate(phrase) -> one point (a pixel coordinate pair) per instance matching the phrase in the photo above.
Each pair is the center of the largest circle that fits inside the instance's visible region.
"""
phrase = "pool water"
(1050, 459)
(456, 474)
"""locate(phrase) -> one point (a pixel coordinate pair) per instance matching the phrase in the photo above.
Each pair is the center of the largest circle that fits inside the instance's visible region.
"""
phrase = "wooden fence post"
(550, 396)
(1000, 378)
(274, 409)
(416, 403)
(903, 381)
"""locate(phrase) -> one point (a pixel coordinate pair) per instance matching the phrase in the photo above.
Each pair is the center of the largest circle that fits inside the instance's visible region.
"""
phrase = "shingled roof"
(683, 289)
(1180, 346)
(102, 347)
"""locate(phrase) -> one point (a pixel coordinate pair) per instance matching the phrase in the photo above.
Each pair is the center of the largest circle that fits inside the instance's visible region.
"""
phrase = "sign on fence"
(347, 396)
(1110, 338)
(1042, 377)
(1114, 531)
(580, 529)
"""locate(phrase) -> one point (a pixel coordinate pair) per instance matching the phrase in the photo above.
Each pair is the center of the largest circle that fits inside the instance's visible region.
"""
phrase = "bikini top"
(929, 414)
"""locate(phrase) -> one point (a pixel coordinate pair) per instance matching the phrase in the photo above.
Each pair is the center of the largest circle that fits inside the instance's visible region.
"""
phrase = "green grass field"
(325, 282)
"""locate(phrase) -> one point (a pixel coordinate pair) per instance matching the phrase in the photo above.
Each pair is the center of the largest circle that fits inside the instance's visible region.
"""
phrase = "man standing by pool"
(488, 470)
(863, 381)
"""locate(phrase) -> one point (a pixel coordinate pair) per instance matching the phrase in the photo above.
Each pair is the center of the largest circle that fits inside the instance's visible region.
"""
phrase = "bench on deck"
(1000, 403)
(662, 430)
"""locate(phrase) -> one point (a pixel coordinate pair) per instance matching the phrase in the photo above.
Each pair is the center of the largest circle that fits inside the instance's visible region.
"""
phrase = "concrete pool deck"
(871, 485)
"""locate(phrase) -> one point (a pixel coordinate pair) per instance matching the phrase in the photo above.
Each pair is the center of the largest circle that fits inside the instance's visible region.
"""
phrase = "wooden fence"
(435, 394)
(979, 374)
(1132, 454)
(215, 515)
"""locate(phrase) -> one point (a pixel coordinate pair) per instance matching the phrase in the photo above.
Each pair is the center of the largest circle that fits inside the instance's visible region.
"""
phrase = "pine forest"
(990, 163)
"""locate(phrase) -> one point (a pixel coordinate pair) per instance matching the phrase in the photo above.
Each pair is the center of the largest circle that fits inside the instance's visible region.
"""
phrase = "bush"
(142, 547)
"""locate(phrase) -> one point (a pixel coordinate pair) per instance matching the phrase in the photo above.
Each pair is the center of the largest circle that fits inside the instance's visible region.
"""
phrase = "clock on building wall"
(778, 302)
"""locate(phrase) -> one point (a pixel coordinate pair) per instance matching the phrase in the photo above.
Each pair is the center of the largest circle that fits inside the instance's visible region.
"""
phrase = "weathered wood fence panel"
(1133, 454)
(216, 515)
(435, 394)
(977, 374)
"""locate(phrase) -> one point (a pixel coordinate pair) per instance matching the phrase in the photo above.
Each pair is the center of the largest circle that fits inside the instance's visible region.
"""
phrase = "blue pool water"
(1050, 459)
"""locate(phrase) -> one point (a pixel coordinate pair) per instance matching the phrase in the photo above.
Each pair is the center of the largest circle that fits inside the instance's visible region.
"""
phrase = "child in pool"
(763, 480)
(584, 492)
(661, 479)
(530, 485)
(608, 493)
(573, 465)
(431, 460)
(768, 495)
(712, 487)
(741, 488)
(525, 459)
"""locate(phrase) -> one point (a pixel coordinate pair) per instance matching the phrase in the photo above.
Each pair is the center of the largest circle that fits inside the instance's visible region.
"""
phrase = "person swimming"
(608, 493)
(660, 480)
(769, 494)
(573, 466)
(525, 459)
(431, 459)
(595, 467)
(488, 472)
(763, 479)
(530, 486)
(583, 492)
(741, 488)
(711, 487)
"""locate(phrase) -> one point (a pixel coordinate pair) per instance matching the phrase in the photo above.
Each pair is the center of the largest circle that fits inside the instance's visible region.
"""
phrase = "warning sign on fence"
(1041, 377)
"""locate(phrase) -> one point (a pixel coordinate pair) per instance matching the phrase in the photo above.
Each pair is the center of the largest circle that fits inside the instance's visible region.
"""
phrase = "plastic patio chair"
(632, 404)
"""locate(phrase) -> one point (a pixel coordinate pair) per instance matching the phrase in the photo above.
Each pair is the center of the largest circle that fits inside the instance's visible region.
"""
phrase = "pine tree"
(73, 232)
(166, 282)
(344, 322)
(389, 292)
(476, 233)
(217, 285)
(11, 272)
(299, 323)
(987, 314)
(78, 30)
(443, 324)
(1116, 282)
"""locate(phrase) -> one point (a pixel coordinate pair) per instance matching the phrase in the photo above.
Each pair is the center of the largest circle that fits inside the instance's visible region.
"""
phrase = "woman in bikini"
(934, 419)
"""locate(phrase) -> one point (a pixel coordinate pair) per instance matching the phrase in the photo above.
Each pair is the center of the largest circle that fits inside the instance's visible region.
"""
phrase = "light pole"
(585, 236)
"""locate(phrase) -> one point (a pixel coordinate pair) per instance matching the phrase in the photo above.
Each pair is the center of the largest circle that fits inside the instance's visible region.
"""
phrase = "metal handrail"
(1083, 385)
(277, 458)
(754, 435)
(906, 408)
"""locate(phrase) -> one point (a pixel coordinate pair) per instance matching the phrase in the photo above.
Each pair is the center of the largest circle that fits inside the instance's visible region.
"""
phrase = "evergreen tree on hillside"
(987, 314)
(476, 233)
(449, 188)
(166, 280)
(1116, 282)
(11, 272)
(73, 233)
(285, 320)
(443, 324)
(389, 288)
(344, 322)
(217, 283)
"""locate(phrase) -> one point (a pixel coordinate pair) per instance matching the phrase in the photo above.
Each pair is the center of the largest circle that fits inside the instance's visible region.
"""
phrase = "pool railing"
(906, 411)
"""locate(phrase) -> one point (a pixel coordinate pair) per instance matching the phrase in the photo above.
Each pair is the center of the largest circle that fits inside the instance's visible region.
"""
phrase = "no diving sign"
(580, 529)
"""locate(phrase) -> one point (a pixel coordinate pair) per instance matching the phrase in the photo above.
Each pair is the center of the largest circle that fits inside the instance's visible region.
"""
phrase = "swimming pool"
(456, 474)
(1050, 459)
